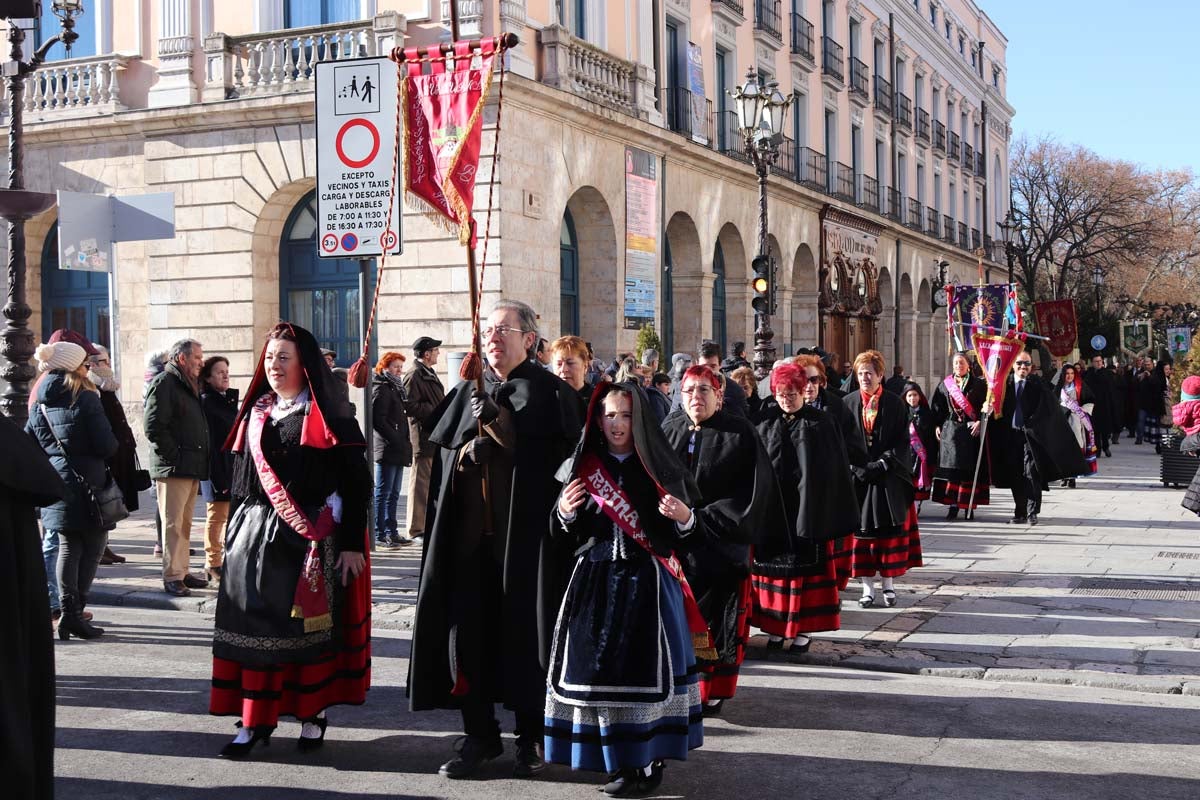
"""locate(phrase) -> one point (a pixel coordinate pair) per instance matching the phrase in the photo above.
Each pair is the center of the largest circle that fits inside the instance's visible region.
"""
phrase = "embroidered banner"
(1056, 321)
(443, 112)
(1179, 340)
(973, 309)
(1135, 336)
(996, 357)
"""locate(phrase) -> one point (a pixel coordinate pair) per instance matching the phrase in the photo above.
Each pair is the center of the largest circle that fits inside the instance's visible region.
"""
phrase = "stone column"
(692, 297)
(176, 44)
(908, 340)
(512, 20)
(805, 325)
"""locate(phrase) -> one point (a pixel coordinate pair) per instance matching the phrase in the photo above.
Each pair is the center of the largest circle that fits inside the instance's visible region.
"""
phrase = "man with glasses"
(492, 582)
(1025, 399)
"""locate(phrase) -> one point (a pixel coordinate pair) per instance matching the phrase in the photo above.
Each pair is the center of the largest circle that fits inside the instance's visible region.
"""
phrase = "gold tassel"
(702, 645)
(322, 623)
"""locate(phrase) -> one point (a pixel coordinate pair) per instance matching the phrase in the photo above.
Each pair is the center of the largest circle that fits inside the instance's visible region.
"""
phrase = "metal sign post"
(356, 105)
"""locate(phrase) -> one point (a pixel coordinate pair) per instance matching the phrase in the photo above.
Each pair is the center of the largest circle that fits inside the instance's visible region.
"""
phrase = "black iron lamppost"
(760, 111)
(1015, 245)
(1098, 282)
(17, 205)
(938, 298)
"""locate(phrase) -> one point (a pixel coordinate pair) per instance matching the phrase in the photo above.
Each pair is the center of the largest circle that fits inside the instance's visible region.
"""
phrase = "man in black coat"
(491, 581)
(27, 669)
(1105, 415)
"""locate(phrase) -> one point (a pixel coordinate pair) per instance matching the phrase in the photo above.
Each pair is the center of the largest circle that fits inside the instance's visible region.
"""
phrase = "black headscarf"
(328, 422)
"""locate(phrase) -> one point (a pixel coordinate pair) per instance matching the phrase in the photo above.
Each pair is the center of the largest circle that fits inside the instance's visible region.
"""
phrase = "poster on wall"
(696, 87)
(641, 237)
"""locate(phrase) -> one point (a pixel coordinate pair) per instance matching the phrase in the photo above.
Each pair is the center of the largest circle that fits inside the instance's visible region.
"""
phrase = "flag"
(1056, 321)
(976, 309)
(444, 126)
(1135, 336)
(996, 357)
(1179, 340)
(1012, 313)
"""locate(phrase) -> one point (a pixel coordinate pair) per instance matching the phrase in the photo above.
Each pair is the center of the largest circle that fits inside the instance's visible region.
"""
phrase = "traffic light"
(761, 284)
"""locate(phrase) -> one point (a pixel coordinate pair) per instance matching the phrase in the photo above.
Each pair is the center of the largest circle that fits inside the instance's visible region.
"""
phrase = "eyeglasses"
(815, 379)
(787, 395)
(1024, 363)
(700, 390)
(503, 330)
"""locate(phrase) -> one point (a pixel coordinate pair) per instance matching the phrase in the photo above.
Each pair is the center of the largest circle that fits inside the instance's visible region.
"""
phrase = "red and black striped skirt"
(719, 681)
(950, 492)
(842, 556)
(788, 607)
(890, 557)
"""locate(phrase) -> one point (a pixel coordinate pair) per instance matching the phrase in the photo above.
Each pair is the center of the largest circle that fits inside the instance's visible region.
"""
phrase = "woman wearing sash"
(922, 437)
(293, 613)
(796, 593)
(1076, 397)
(738, 507)
(623, 692)
(888, 542)
(956, 409)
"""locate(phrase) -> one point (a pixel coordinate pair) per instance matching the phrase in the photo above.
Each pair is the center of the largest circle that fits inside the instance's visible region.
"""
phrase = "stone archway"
(600, 317)
(691, 285)
(805, 324)
(885, 342)
(739, 318)
(265, 244)
(908, 324)
(922, 368)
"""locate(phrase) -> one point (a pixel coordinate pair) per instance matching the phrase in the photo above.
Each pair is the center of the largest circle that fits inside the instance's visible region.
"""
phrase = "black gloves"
(479, 451)
(484, 408)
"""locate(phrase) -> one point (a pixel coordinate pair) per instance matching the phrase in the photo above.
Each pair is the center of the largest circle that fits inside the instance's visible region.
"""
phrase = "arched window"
(667, 329)
(718, 299)
(568, 275)
(73, 299)
(320, 294)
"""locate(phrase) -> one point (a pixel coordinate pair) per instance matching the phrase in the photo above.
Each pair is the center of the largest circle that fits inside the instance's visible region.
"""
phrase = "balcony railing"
(859, 82)
(976, 240)
(687, 113)
(963, 241)
(895, 205)
(868, 193)
(939, 136)
(832, 59)
(903, 111)
(77, 87)
(931, 221)
(284, 61)
(767, 18)
(727, 137)
(968, 157)
(954, 149)
(574, 65)
(980, 165)
(812, 168)
(923, 124)
(732, 5)
(883, 95)
(785, 160)
(948, 228)
(802, 37)
(915, 216)
(843, 187)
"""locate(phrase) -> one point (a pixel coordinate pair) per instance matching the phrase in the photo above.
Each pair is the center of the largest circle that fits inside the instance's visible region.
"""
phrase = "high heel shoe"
(306, 743)
(236, 749)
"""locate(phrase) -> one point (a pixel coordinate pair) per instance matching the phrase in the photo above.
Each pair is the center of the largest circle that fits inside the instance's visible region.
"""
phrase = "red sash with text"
(613, 501)
(310, 603)
(960, 399)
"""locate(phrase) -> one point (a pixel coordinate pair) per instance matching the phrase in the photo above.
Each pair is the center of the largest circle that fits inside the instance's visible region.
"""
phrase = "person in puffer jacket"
(68, 422)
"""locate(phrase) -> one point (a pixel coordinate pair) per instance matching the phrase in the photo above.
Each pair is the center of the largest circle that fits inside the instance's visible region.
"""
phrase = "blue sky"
(1119, 78)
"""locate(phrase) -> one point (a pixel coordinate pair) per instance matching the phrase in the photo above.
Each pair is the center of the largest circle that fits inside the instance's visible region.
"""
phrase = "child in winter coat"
(1186, 413)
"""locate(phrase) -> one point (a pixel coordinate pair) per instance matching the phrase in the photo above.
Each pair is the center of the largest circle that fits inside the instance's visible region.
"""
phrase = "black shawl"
(959, 449)
(886, 498)
(819, 504)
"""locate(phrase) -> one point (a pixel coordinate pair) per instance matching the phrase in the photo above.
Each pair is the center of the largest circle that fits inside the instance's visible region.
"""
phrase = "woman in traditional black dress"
(888, 543)
(293, 614)
(922, 437)
(796, 593)
(957, 407)
(738, 507)
(623, 690)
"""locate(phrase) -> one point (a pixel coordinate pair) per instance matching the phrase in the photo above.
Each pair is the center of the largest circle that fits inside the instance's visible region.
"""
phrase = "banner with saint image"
(996, 357)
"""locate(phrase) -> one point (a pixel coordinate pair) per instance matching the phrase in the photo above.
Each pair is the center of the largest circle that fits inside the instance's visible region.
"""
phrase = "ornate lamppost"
(761, 113)
(1098, 282)
(1015, 245)
(18, 205)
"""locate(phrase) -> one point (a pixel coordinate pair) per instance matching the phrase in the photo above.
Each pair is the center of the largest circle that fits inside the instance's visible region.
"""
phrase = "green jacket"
(176, 427)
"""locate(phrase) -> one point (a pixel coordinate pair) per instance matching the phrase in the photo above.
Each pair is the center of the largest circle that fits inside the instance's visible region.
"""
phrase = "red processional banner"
(1056, 321)
(996, 357)
(443, 113)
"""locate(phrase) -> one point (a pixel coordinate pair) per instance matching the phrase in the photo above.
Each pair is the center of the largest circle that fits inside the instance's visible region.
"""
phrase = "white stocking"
(889, 585)
(868, 585)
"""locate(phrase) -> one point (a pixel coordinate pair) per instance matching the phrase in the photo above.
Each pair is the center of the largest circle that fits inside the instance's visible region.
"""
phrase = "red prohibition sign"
(341, 134)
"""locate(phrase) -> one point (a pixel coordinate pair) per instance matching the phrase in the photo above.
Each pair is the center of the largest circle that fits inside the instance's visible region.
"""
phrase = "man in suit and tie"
(1025, 400)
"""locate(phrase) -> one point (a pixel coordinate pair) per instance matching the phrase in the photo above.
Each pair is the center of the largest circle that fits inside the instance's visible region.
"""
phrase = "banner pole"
(978, 461)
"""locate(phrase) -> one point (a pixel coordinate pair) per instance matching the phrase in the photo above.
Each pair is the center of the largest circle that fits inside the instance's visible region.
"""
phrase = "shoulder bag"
(108, 503)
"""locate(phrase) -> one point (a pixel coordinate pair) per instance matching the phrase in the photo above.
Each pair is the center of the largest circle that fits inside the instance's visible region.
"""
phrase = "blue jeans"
(1141, 424)
(50, 558)
(387, 496)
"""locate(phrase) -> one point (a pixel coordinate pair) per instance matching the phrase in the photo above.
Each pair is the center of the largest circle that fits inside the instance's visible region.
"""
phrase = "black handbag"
(141, 477)
(108, 502)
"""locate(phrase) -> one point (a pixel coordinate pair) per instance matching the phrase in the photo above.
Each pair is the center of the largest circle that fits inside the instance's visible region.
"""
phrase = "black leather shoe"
(307, 743)
(635, 782)
(473, 753)
(242, 749)
(193, 582)
(1033, 519)
(952, 513)
(177, 588)
(1018, 520)
(529, 760)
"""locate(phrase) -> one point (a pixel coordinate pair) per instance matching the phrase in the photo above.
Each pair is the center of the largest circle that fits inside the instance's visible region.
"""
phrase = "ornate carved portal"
(849, 297)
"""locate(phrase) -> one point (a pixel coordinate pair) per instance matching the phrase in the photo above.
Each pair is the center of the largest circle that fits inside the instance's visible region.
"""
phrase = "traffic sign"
(1099, 343)
(356, 148)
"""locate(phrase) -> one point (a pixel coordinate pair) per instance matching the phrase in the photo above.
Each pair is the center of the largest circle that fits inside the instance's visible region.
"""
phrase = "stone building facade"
(894, 158)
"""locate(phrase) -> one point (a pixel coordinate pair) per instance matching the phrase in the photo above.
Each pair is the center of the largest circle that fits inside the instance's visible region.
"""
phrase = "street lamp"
(1097, 281)
(761, 113)
(18, 205)
(1015, 245)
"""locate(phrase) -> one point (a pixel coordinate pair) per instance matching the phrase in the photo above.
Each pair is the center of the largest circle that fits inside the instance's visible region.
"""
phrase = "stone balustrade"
(283, 62)
(575, 66)
(75, 87)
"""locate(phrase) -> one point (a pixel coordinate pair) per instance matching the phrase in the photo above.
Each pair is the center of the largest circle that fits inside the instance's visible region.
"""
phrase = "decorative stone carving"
(921, 65)
(879, 29)
(854, 9)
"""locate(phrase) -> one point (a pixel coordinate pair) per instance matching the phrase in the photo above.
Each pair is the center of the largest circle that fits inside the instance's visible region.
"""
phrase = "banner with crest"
(1135, 336)
(1056, 321)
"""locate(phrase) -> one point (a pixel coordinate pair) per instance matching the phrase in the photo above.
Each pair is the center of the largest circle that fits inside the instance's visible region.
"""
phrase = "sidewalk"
(1104, 592)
